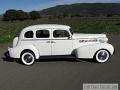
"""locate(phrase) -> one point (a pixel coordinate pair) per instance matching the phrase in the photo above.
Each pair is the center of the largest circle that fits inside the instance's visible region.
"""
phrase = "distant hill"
(84, 9)
(63, 11)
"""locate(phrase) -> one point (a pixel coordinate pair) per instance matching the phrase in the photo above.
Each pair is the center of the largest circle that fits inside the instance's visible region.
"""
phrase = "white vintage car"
(52, 40)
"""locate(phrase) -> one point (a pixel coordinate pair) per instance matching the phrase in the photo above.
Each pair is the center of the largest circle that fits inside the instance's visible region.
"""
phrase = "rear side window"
(29, 34)
(42, 34)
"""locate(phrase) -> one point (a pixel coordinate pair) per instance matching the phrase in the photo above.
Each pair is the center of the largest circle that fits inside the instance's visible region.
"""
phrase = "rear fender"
(16, 52)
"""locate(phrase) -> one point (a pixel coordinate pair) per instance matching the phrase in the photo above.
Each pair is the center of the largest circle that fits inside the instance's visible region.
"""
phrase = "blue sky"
(28, 5)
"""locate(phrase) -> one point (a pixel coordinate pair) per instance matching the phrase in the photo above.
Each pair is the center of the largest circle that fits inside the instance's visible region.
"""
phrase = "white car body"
(81, 45)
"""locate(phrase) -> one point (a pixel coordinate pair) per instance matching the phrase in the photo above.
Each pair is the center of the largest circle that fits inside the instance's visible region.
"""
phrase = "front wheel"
(102, 56)
(28, 58)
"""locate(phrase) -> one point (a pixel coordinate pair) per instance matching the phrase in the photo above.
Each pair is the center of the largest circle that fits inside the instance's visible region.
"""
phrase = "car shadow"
(56, 60)
(88, 60)
(7, 58)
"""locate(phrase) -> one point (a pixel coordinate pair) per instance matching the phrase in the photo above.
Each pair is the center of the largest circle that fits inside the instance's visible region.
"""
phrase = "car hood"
(86, 36)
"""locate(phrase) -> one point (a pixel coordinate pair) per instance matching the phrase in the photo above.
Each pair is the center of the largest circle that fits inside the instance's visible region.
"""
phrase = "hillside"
(84, 9)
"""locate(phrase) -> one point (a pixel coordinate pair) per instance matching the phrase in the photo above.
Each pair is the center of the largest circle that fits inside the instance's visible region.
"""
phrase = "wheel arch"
(27, 50)
(30, 49)
(101, 49)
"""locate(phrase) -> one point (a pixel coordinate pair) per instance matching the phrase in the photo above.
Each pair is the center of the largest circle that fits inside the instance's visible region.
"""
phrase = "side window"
(42, 34)
(28, 34)
(60, 33)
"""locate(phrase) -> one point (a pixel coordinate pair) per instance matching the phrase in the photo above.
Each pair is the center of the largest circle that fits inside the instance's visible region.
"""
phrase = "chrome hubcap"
(28, 58)
(102, 55)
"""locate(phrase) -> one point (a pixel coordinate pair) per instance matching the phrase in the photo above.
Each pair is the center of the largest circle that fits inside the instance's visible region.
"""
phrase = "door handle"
(48, 42)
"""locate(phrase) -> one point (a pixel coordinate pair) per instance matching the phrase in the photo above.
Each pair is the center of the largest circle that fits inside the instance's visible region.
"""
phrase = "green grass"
(83, 25)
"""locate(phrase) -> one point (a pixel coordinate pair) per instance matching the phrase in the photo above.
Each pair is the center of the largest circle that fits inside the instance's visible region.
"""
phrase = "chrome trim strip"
(43, 39)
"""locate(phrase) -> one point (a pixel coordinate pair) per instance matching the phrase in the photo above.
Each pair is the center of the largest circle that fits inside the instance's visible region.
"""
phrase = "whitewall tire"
(102, 56)
(28, 58)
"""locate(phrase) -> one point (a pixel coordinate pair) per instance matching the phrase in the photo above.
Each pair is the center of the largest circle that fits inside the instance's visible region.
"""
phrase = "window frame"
(43, 29)
(60, 37)
(26, 32)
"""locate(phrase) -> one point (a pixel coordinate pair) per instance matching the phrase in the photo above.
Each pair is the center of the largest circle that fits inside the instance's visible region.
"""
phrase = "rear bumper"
(11, 53)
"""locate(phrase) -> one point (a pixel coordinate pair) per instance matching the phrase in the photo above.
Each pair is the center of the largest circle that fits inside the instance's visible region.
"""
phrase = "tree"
(34, 15)
(10, 15)
(21, 15)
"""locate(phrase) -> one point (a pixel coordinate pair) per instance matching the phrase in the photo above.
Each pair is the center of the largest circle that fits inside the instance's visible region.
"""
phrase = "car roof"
(56, 26)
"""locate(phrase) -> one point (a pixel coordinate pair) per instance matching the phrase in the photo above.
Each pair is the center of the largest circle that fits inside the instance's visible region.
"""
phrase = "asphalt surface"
(58, 74)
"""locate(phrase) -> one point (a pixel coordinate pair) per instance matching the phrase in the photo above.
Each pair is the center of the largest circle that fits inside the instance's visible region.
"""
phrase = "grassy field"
(83, 25)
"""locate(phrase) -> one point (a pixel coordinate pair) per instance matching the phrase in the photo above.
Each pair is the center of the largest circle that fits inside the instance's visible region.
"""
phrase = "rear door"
(43, 41)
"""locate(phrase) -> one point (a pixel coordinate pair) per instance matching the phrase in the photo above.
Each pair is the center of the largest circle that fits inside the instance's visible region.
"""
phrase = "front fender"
(16, 51)
(88, 51)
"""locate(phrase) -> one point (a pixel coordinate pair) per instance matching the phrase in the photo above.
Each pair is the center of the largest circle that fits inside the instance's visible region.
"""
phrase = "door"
(61, 42)
(43, 41)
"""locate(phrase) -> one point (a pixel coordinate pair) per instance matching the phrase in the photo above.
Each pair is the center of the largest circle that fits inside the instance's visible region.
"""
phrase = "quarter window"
(29, 34)
(60, 33)
(42, 34)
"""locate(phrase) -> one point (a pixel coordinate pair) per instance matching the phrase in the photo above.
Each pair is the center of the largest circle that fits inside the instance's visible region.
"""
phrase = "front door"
(61, 42)
(43, 41)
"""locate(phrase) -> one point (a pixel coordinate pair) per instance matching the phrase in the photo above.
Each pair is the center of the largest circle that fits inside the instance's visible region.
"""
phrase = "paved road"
(58, 74)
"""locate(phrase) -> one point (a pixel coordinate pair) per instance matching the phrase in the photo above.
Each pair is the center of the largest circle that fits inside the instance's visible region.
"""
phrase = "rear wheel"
(28, 58)
(102, 56)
